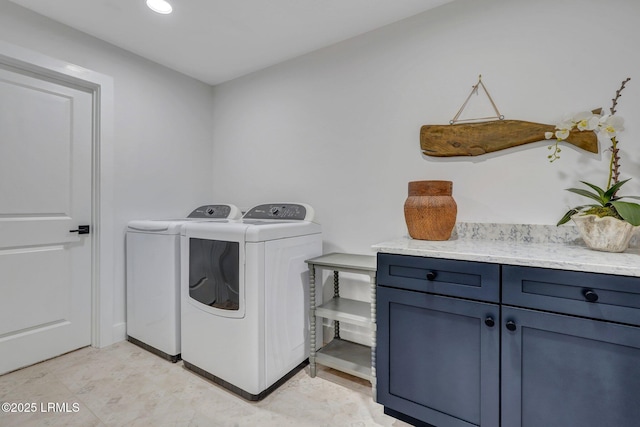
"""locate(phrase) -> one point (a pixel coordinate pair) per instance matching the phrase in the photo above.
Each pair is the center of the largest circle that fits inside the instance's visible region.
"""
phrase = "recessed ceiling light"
(160, 6)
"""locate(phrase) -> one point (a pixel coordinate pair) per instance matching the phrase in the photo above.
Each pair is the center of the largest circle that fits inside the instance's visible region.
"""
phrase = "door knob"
(489, 321)
(511, 325)
(82, 229)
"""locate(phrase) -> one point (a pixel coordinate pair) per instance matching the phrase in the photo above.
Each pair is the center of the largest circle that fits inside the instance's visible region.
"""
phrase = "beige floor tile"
(124, 385)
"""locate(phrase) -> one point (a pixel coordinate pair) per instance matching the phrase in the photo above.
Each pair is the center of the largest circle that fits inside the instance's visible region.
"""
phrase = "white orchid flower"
(605, 126)
(609, 125)
(563, 129)
(586, 121)
(603, 138)
(603, 120)
(615, 122)
(566, 124)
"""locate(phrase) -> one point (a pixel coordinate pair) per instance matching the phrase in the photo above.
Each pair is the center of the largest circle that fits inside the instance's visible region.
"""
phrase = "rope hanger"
(474, 89)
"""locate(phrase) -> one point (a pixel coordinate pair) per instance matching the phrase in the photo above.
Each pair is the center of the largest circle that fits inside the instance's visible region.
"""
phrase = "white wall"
(162, 149)
(339, 128)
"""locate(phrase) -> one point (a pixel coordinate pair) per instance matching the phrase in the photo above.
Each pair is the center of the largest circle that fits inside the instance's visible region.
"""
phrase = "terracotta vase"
(606, 234)
(430, 211)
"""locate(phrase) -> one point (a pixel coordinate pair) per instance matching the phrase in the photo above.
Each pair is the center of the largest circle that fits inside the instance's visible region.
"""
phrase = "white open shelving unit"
(343, 355)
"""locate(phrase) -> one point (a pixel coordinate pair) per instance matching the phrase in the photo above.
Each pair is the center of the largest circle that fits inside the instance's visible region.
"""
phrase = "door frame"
(102, 213)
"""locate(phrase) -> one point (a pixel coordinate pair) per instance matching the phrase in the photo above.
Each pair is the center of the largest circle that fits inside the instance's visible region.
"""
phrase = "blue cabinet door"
(438, 358)
(567, 371)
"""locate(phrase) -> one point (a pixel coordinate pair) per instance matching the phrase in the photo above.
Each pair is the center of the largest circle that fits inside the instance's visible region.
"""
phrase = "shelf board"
(347, 310)
(363, 264)
(346, 356)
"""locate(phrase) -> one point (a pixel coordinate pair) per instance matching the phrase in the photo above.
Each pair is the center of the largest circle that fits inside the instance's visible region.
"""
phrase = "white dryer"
(245, 310)
(153, 278)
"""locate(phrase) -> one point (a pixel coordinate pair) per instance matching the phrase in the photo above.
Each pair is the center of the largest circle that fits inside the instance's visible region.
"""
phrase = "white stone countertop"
(515, 248)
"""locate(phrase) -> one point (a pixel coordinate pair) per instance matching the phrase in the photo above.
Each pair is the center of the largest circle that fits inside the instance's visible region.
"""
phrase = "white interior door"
(45, 191)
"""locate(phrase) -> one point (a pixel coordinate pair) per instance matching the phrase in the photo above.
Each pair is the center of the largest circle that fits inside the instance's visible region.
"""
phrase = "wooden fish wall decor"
(474, 139)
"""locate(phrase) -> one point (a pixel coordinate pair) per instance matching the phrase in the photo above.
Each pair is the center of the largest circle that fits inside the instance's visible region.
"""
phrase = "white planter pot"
(604, 234)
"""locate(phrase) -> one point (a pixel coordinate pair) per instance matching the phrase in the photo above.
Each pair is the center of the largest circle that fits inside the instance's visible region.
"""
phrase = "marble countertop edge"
(572, 256)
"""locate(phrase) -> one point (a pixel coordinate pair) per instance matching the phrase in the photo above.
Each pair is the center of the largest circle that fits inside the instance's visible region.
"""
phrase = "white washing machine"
(153, 278)
(245, 309)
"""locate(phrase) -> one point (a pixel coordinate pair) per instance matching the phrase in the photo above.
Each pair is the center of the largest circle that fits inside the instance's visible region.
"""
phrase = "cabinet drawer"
(594, 295)
(465, 279)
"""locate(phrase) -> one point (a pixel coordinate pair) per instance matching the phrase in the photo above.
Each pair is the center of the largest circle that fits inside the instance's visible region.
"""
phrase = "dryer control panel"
(216, 211)
(284, 211)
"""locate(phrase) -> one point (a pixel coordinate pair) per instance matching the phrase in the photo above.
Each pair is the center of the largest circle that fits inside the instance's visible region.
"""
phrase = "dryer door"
(215, 282)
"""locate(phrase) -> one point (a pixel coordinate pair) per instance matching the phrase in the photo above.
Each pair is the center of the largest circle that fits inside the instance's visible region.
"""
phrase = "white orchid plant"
(606, 127)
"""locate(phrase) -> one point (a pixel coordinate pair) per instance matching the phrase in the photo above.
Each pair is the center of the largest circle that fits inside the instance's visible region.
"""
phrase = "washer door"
(214, 276)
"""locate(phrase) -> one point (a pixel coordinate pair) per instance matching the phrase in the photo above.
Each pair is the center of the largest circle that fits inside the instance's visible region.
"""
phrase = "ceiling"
(219, 40)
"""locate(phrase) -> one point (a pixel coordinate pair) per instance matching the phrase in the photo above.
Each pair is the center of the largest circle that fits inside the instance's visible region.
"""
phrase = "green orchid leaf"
(610, 192)
(574, 211)
(567, 217)
(629, 197)
(599, 190)
(587, 193)
(630, 212)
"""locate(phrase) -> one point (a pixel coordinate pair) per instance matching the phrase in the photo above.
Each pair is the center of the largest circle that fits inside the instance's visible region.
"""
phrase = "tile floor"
(124, 385)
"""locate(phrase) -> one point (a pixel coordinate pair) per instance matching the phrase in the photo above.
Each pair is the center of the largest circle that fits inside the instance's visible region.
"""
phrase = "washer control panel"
(216, 211)
(285, 211)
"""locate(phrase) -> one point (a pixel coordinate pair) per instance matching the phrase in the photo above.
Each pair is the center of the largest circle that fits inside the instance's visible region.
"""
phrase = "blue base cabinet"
(526, 347)
(568, 371)
(439, 355)
(577, 363)
(441, 360)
